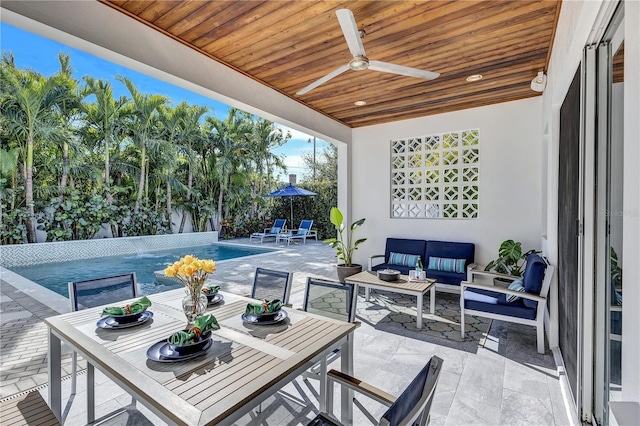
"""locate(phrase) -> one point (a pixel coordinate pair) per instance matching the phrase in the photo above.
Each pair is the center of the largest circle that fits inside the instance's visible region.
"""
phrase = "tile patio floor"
(502, 381)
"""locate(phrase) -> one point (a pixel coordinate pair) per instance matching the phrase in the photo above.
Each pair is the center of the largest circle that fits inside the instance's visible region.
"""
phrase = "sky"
(41, 54)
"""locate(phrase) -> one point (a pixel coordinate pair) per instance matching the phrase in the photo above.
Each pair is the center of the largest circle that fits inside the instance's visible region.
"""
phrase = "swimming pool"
(56, 276)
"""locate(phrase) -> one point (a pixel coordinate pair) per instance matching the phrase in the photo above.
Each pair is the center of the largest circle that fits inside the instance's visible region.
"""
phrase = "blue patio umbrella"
(291, 191)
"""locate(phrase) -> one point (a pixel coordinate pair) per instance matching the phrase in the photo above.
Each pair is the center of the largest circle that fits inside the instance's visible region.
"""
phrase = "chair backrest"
(405, 246)
(414, 404)
(270, 285)
(306, 224)
(101, 291)
(450, 250)
(331, 299)
(279, 223)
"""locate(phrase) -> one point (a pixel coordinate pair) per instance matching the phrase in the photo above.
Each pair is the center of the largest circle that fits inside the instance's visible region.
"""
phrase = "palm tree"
(183, 126)
(28, 103)
(229, 139)
(143, 127)
(104, 121)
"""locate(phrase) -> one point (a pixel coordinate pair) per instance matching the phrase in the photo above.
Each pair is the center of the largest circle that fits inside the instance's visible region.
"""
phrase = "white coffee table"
(369, 280)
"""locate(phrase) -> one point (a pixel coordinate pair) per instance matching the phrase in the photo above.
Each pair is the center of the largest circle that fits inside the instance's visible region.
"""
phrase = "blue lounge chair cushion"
(302, 232)
(274, 230)
(533, 276)
(496, 303)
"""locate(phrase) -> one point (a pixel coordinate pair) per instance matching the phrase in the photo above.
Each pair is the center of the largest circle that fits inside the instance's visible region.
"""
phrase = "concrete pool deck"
(501, 380)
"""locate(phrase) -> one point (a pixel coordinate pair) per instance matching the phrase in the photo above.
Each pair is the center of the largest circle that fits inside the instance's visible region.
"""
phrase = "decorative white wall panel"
(436, 176)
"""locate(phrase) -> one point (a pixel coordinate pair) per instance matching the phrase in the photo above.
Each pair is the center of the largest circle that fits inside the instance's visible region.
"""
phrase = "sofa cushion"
(444, 277)
(403, 259)
(446, 264)
(516, 285)
(533, 276)
(478, 300)
(404, 245)
(404, 270)
(450, 250)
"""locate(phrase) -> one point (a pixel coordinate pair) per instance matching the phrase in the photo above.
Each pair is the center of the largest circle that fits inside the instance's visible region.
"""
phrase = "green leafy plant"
(510, 259)
(616, 270)
(343, 244)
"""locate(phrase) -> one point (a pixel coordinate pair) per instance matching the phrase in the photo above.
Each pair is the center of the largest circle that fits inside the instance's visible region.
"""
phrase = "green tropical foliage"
(344, 243)
(75, 160)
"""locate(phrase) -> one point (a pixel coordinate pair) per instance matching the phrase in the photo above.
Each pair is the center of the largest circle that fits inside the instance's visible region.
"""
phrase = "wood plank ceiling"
(287, 45)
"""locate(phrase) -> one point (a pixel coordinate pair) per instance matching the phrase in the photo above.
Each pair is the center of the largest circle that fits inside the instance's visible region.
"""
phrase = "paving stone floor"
(500, 380)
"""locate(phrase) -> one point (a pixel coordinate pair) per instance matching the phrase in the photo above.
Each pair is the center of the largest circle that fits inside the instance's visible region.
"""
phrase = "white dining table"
(245, 364)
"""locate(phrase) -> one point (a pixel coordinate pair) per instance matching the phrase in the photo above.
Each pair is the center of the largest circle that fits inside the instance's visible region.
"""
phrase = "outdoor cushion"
(445, 277)
(499, 304)
(403, 245)
(533, 276)
(403, 269)
(275, 230)
(403, 259)
(302, 232)
(516, 285)
(447, 264)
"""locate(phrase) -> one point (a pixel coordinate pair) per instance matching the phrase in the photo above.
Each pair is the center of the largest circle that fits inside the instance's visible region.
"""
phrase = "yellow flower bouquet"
(192, 272)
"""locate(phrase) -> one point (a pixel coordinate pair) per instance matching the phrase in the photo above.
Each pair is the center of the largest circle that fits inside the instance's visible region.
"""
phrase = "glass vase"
(194, 305)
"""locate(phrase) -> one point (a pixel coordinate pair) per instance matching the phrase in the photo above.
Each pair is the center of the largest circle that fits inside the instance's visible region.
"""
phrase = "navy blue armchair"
(526, 305)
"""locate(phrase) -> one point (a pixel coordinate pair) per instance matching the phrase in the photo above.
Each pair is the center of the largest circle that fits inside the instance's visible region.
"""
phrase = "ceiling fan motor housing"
(359, 63)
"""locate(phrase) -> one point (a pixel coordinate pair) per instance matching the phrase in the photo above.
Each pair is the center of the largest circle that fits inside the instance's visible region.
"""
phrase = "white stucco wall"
(510, 165)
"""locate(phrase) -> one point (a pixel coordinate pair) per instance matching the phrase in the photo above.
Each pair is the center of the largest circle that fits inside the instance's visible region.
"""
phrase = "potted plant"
(344, 244)
(510, 261)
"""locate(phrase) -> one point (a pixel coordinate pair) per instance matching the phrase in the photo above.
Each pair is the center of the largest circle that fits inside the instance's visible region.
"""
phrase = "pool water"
(56, 276)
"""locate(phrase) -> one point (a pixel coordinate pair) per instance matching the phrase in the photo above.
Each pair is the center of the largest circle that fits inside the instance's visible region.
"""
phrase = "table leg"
(346, 395)
(367, 291)
(433, 300)
(55, 375)
(91, 393)
(419, 313)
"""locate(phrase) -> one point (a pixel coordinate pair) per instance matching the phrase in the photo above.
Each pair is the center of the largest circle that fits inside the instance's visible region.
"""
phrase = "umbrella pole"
(291, 206)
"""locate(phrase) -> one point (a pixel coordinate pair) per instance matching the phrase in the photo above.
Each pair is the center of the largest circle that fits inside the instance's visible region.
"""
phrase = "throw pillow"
(302, 231)
(403, 259)
(275, 230)
(447, 265)
(517, 285)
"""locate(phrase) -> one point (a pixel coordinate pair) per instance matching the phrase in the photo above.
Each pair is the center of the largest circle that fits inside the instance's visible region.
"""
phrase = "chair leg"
(462, 325)
(540, 332)
(74, 370)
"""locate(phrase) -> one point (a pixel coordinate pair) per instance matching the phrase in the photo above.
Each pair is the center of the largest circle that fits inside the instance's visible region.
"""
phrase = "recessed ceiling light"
(359, 103)
(474, 77)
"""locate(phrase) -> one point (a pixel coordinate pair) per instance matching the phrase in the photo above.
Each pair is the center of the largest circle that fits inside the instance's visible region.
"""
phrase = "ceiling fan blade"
(350, 31)
(324, 79)
(402, 70)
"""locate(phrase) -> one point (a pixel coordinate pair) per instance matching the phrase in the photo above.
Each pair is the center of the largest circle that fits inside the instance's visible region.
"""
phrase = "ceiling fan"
(360, 61)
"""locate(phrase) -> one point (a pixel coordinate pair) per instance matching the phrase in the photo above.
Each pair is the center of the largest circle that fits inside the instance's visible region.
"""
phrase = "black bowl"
(191, 348)
(388, 274)
(267, 316)
(127, 318)
(211, 296)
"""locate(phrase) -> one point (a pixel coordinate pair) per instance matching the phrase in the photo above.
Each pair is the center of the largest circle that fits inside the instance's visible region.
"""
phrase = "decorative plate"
(113, 323)
(161, 352)
(214, 299)
(270, 319)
